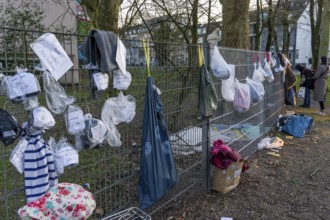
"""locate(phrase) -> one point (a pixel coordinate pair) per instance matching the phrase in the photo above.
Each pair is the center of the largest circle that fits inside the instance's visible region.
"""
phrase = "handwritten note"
(21, 85)
(121, 81)
(17, 155)
(69, 156)
(52, 55)
(75, 121)
(101, 80)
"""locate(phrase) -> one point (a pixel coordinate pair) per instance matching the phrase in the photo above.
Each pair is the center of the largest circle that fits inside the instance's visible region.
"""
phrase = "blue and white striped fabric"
(39, 167)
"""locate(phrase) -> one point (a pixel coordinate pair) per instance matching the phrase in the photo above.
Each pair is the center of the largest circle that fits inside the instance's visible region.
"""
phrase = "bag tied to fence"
(157, 167)
(10, 130)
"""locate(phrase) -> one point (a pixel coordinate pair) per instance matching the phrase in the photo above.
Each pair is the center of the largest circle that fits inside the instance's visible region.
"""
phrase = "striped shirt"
(39, 168)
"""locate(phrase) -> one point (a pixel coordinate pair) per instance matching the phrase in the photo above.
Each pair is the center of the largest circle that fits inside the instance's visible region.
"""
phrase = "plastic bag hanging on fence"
(227, 86)
(40, 118)
(20, 87)
(56, 98)
(257, 75)
(10, 130)
(95, 131)
(242, 97)
(208, 99)
(17, 155)
(59, 166)
(269, 74)
(67, 153)
(74, 119)
(157, 166)
(257, 90)
(121, 81)
(219, 66)
(121, 109)
(278, 67)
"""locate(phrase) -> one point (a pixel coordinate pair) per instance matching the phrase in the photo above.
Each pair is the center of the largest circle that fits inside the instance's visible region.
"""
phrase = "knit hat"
(324, 59)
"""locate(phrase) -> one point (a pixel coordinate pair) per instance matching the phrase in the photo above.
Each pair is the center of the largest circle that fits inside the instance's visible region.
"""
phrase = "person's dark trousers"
(321, 106)
(307, 99)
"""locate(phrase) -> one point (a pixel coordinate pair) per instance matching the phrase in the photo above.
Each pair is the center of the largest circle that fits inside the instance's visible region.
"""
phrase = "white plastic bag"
(242, 97)
(227, 86)
(101, 80)
(41, 118)
(257, 90)
(59, 166)
(269, 74)
(17, 155)
(301, 93)
(270, 143)
(120, 109)
(74, 119)
(21, 86)
(219, 66)
(56, 98)
(68, 154)
(95, 131)
(121, 81)
(257, 75)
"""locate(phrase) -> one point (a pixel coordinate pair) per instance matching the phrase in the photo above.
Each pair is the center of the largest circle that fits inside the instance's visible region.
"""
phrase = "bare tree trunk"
(235, 15)
(104, 13)
(258, 32)
(286, 32)
(270, 25)
(194, 34)
(315, 27)
(324, 30)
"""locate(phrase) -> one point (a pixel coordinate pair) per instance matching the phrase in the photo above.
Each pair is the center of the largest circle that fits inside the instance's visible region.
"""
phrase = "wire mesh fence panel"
(112, 172)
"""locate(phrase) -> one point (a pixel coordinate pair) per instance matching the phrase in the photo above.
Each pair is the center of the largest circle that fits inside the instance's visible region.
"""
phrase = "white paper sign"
(101, 80)
(21, 84)
(17, 155)
(52, 55)
(121, 81)
(75, 121)
(121, 56)
(69, 156)
(97, 132)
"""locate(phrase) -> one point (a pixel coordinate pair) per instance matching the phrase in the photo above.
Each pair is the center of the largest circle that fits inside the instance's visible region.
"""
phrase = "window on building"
(297, 54)
(199, 31)
(204, 30)
(219, 44)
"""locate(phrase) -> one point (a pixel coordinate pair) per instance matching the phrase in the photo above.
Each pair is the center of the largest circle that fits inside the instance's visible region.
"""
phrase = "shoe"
(321, 113)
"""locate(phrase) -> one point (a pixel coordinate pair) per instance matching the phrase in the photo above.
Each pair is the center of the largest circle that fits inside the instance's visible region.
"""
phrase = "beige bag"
(225, 180)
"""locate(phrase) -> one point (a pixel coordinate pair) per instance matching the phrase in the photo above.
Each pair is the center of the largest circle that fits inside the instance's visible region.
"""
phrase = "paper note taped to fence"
(52, 55)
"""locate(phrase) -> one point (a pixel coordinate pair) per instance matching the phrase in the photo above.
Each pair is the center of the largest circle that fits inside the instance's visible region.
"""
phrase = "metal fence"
(112, 172)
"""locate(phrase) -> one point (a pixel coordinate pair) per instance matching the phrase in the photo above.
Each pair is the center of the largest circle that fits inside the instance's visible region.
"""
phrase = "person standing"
(306, 80)
(321, 77)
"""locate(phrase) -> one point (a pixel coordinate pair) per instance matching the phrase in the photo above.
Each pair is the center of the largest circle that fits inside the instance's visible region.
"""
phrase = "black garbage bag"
(157, 166)
(10, 130)
(207, 94)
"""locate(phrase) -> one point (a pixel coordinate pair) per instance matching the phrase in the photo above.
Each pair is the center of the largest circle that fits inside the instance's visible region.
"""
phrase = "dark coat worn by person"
(320, 76)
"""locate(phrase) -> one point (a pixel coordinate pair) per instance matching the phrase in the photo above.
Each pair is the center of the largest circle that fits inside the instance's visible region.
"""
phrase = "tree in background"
(235, 17)
(315, 11)
(104, 13)
(324, 30)
(27, 16)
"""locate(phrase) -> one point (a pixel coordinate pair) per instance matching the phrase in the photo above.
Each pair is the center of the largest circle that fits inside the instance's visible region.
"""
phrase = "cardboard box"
(225, 180)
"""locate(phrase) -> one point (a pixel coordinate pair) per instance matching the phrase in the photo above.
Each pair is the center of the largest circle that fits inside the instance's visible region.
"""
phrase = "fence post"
(206, 155)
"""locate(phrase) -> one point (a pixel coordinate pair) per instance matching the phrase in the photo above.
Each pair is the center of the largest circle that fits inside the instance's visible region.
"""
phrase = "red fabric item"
(223, 156)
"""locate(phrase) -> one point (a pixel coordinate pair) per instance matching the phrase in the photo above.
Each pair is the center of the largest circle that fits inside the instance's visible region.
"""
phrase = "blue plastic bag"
(157, 166)
(297, 125)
